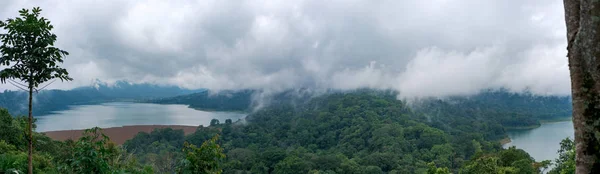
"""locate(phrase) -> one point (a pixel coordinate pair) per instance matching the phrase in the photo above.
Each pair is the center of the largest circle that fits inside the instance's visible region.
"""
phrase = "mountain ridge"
(47, 101)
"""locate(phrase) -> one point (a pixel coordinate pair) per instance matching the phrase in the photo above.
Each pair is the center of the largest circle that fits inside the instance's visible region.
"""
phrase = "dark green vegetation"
(359, 132)
(219, 101)
(511, 160)
(29, 55)
(364, 131)
(92, 153)
(241, 100)
(88, 155)
(509, 110)
(515, 110)
(47, 101)
(565, 163)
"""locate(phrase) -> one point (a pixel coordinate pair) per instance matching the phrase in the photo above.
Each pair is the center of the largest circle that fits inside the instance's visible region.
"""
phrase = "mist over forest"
(288, 86)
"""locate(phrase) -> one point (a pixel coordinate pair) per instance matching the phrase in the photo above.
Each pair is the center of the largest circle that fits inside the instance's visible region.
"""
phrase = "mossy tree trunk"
(583, 33)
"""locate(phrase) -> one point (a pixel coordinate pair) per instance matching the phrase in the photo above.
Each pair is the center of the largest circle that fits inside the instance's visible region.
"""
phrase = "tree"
(214, 122)
(512, 154)
(565, 163)
(95, 153)
(487, 164)
(435, 170)
(583, 26)
(203, 159)
(11, 129)
(92, 153)
(28, 49)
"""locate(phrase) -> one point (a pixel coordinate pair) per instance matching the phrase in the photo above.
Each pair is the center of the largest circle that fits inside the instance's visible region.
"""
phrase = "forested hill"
(205, 100)
(363, 131)
(511, 110)
(351, 132)
(53, 100)
(238, 100)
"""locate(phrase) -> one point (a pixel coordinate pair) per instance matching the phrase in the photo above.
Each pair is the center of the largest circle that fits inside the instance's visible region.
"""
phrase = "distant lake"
(542, 143)
(123, 113)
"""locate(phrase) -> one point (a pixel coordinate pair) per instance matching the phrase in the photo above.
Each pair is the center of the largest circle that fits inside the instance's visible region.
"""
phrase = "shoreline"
(523, 127)
(118, 135)
(505, 141)
(556, 120)
(198, 108)
(541, 122)
(214, 110)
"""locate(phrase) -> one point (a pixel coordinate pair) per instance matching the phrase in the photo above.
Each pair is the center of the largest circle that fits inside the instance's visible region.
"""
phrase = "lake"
(542, 143)
(123, 113)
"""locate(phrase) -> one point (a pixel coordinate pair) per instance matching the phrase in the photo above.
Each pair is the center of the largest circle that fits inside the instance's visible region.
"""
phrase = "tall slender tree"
(583, 35)
(30, 56)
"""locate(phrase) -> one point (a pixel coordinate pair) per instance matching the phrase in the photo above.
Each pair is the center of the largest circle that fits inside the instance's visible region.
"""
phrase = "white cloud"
(434, 72)
(422, 48)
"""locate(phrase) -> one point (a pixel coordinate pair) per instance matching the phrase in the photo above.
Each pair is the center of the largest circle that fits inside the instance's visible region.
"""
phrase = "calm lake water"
(542, 143)
(123, 114)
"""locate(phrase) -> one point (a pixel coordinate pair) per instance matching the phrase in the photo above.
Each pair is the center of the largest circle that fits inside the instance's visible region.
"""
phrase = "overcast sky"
(419, 47)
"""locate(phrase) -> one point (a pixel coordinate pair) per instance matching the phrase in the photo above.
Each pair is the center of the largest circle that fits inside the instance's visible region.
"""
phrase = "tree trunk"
(583, 34)
(30, 155)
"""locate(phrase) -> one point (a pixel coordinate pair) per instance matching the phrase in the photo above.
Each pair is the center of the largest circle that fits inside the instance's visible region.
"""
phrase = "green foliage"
(207, 100)
(511, 160)
(13, 156)
(512, 154)
(543, 165)
(292, 164)
(160, 148)
(214, 122)
(487, 164)
(94, 153)
(435, 170)
(144, 143)
(493, 111)
(6, 148)
(17, 161)
(203, 159)
(30, 56)
(28, 49)
(13, 129)
(356, 132)
(565, 163)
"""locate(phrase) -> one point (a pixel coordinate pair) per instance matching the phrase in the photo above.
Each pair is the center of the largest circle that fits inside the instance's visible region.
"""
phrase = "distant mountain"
(237, 100)
(205, 100)
(127, 91)
(47, 101)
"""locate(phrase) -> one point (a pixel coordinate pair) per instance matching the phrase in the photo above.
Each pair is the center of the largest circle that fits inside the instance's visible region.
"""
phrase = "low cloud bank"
(420, 48)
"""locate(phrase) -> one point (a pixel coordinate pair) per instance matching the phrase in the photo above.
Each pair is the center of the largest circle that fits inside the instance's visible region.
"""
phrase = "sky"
(422, 48)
